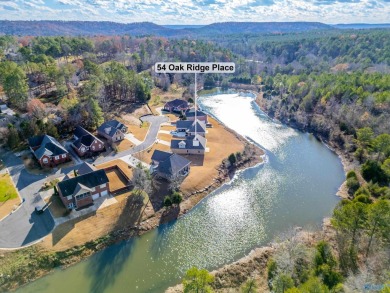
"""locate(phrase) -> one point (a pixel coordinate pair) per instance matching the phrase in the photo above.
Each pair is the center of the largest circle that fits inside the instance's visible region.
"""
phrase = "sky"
(198, 11)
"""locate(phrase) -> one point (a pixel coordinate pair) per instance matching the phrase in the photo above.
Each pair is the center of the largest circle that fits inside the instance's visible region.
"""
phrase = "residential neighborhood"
(93, 170)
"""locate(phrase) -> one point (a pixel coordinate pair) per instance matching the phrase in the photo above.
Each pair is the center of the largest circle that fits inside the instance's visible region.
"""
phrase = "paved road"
(24, 226)
(155, 122)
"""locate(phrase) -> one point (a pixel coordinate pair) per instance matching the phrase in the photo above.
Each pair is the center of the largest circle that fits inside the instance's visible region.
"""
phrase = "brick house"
(169, 166)
(48, 151)
(176, 105)
(86, 143)
(82, 190)
(112, 130)
(190, 145)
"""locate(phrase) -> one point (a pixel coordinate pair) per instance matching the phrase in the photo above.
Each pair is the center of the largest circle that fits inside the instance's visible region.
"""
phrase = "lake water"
(295, 187)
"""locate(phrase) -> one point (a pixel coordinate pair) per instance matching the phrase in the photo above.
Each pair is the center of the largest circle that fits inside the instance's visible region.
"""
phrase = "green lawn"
(7, 189)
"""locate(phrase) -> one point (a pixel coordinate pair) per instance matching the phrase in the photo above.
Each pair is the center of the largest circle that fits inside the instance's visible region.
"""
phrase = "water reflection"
(296, 186)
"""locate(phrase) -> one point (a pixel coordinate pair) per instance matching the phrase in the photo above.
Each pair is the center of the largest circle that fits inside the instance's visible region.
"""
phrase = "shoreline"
(80, 253)
(231, 276)
(347, 163)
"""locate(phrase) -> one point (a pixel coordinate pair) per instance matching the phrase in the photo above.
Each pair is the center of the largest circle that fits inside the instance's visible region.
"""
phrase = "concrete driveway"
(24, 226)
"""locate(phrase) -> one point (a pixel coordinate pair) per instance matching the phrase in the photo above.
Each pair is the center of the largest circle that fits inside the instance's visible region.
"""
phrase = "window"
(63, 156)
(57, 157)
(103, 186)
(93, 147)
(70, 205)
(45, 160)
(83, 195)
(100, 145)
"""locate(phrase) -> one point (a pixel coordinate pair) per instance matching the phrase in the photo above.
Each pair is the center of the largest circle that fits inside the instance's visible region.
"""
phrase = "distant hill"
(89, 28)
(181, 26)
(85, 28)
(361, 25)
(260, 27)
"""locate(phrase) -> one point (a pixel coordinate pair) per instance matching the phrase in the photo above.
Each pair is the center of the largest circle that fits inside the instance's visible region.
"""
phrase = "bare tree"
(142, 180)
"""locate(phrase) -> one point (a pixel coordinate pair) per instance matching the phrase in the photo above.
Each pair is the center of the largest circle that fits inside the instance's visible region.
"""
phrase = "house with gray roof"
(200, 115)
(82, 190)
(190, 127)
(48, 151)
(191, 145)
(169, 166)
(86, 168)
(176, 105)
(112, 130)
(86, 143)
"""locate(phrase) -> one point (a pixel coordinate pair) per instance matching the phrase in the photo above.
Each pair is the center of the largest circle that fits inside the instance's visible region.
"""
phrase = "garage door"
(104, 193)
(95, 196)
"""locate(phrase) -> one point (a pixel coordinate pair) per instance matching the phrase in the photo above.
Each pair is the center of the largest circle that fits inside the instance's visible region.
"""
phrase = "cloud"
(199, 11)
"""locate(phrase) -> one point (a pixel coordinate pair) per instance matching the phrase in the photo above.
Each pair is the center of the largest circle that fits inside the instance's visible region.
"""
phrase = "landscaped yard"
(7, 189)
(9, 198)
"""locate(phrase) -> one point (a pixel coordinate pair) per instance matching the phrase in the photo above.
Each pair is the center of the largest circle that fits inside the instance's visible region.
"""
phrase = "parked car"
(39, 210)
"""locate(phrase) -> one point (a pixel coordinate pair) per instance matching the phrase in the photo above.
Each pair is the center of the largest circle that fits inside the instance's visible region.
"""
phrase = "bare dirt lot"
(139, 131)
(122, 165)
(146, 155)
(124, 145)
(217, 138)
(126, 212)
(117, 180)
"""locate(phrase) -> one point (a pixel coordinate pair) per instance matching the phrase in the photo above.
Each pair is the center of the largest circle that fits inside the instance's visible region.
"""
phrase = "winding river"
(295, 187)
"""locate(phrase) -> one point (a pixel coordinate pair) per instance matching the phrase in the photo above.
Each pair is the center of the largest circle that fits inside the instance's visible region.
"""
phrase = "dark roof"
(191, 113)
(89, 180)
(80, 131)
(173, 164)
(48, 145)
(84, 137)
(190, 125)
(110, 127)
(86, 168)
(189, 143)
(160, 156)
(177, 103)
(35, 141)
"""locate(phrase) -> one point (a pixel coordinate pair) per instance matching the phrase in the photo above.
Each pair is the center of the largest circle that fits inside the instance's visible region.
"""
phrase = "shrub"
(167, 201)
(353, 185)
(176, 198)
(232, 159)
(351, 174)
(363, 199)
(372, 171)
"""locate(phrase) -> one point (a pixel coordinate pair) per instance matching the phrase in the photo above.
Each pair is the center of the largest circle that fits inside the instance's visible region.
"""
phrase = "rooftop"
(48, 145)
(89, 180)
(189, 143)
